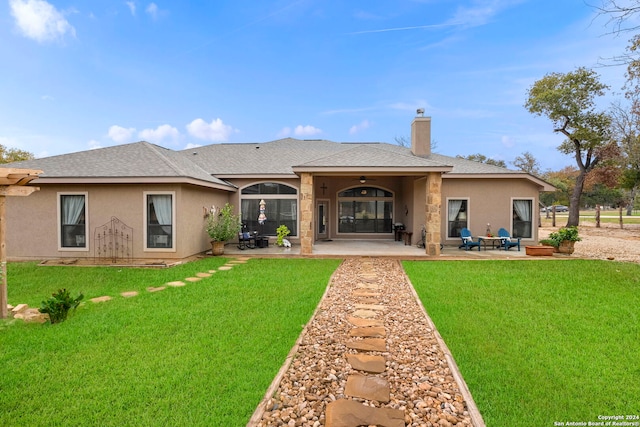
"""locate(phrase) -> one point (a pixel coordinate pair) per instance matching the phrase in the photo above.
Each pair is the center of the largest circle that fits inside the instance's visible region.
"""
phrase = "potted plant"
(564, 239)
(222, 225)
(281, 233)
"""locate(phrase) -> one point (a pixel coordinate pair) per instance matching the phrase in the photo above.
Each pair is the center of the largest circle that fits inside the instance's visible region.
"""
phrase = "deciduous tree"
(568, 100)
(10, 155)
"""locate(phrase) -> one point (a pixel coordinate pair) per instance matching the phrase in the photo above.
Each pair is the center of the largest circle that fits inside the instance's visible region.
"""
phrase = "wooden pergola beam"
(12, 183)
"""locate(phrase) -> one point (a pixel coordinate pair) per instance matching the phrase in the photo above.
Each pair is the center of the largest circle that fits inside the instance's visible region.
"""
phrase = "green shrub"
(564, 233)
(281, 233)
(58, 306)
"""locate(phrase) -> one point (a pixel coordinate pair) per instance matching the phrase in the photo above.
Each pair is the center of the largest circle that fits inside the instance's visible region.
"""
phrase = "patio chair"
(246, 240)
(467, 240)
(506, 241)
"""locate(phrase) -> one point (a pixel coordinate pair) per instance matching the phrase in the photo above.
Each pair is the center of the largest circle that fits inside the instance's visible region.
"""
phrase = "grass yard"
(199, 355)
(539, 342)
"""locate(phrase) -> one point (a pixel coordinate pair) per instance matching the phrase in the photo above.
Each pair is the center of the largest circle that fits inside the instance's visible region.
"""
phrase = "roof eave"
(135, 180)
(386, 170)
(544, 186)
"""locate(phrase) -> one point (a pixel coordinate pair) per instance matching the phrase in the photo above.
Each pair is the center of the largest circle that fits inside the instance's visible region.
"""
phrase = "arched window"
(365, 210)
(281, 207)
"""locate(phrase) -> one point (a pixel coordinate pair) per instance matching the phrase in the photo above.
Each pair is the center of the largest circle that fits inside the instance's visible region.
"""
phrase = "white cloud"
(161, 133)
(39, 20)
(214, 131)
(152, 10)
(307, 130)
(93, 144)
(120, 134)
(132, 7)
(359, 127)
(192, 145)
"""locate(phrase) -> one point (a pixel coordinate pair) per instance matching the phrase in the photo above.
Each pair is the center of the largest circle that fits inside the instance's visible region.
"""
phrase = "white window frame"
(174, 231)
(532, 200)
(446, 224)
(86, 220)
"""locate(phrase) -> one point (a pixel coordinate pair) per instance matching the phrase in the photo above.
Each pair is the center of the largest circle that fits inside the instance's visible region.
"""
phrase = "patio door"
(322, 220)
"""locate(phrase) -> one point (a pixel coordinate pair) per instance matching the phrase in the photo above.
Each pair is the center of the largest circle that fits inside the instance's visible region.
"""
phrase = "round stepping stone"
(129, 294)
(193, 279)
(159, 288)
(225, 267)
(176, 284)
(212, 271)
(203, 275)
(101, 299)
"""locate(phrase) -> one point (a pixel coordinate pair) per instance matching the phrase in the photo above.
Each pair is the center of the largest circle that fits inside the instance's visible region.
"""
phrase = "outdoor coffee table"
(485, 239)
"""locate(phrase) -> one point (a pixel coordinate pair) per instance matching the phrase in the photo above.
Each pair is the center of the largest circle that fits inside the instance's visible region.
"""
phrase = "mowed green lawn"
(539, 342)
(199, 355)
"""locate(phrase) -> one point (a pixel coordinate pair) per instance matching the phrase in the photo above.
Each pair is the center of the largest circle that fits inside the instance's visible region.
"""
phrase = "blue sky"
(78, 75)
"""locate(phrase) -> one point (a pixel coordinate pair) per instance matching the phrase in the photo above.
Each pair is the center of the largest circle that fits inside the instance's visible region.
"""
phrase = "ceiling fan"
(363, 179)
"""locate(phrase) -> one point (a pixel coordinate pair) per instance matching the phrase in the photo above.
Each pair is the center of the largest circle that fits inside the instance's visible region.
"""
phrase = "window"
(365, 210)
(281, 207)
(522, 218)
(159, 211)
(73, 226)
(457, 212)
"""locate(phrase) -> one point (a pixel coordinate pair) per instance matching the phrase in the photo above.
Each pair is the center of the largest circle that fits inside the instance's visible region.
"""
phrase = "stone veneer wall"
(306, 213)
(432, 213)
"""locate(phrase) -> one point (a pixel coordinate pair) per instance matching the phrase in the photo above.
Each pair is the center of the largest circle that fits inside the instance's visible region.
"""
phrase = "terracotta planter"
(540, 250)
(566, 247)
(217, 248)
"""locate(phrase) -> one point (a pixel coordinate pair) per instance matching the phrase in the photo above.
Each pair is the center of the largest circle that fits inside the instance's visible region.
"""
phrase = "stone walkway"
(32, 314)
(370, 356)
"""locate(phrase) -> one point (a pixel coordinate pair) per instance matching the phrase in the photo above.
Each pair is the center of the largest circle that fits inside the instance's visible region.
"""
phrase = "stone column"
(306, 213)
(433, 213)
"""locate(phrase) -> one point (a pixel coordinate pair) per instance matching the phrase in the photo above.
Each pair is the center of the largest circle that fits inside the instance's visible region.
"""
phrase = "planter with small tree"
(222, 225)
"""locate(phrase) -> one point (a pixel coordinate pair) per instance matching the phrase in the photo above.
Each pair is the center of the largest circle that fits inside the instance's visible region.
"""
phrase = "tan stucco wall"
(33, 221)
(490, 202)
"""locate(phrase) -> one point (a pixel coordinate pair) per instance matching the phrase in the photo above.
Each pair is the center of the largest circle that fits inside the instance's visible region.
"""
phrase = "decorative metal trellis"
(113, 241)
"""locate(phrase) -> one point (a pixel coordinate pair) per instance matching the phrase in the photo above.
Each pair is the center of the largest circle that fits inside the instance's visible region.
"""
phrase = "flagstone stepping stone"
(193, 279)
(368, 286)
(159, 288)
(225, 267)
(365, 293)
(366, 314)
(212, 271)
(101, 299)
(371, 331)
(368, 344)
(369, 301)
(237, 261)
(349, 413)
(368, 387)
(203, 275)
(370, 307)
(129, 294)
(366, 362)
(358, 321)
(176, 284)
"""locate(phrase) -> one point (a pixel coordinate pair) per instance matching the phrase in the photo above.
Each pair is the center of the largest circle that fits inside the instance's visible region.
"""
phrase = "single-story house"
(140, 200)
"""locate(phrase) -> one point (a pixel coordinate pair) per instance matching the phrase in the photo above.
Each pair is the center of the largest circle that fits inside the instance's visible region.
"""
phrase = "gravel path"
(419, 370)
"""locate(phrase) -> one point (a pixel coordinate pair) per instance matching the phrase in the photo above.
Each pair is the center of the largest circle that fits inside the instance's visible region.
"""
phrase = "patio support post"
(306, 213)
(432, 212)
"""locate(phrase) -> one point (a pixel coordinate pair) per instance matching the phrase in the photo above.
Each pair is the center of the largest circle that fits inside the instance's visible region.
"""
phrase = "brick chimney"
(421, 134)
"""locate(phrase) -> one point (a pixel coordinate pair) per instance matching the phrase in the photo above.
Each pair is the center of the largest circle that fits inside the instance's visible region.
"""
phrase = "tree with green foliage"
(10, 155)
(568, 100)
(481, 158)
(527, 163)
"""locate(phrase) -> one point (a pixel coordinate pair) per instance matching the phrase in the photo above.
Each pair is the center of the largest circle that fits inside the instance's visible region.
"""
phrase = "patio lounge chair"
(246, 240)
(507, 242)
(467, 240)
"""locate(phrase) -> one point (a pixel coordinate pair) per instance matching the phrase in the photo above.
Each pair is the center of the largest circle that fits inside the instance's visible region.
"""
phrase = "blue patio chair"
(467, 240)
(506, 241)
